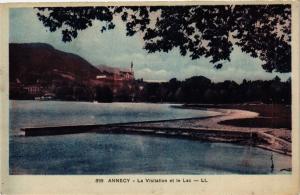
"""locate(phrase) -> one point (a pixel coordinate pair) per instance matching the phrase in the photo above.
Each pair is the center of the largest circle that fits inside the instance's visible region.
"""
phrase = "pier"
(159, 128)
(140, 129)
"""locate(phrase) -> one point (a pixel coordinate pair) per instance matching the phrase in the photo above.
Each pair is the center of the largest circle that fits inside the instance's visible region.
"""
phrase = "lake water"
(54, 113)
(93, 153)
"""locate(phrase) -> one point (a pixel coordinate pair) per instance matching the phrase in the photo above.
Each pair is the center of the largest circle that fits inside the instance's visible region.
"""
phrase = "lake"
(94, 153)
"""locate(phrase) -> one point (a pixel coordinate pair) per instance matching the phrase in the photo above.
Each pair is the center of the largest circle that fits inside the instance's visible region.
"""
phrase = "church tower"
(131, 70)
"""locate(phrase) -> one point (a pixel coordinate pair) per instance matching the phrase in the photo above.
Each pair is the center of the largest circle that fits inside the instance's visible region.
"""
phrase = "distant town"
(111, 83)
(39, 71)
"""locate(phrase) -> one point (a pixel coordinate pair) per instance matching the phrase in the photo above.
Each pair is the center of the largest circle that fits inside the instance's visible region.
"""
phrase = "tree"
(194, 88)
(104, 94)
(263, 31)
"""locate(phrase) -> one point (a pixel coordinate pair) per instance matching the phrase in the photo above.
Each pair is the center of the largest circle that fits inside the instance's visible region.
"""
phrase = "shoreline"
(217, 132)
(202, 128)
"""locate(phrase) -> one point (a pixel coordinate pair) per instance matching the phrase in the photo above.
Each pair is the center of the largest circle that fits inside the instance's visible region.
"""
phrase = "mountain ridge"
(29, 62)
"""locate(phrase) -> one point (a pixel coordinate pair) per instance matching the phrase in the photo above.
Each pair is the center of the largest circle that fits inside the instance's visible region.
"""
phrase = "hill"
(29, 62)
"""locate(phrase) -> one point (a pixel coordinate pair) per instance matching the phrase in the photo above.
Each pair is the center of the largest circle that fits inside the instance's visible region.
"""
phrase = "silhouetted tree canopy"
(263, 31)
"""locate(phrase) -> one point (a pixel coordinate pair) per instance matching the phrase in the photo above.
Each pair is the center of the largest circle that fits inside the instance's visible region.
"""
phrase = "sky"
(114, 48)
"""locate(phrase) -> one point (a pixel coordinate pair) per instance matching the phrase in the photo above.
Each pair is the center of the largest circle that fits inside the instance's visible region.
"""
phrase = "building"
(34, 89)
(111, 75)
(121, 81)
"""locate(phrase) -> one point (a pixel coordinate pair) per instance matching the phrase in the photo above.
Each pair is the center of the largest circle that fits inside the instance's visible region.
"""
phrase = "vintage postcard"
(150, 98)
